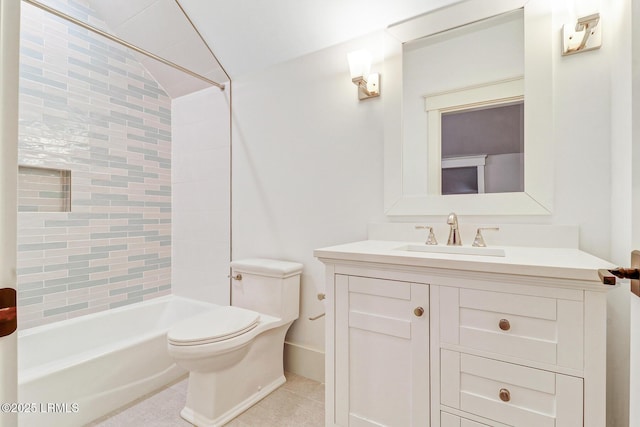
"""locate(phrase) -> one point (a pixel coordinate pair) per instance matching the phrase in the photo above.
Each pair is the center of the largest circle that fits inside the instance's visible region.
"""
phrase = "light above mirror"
(413, 164)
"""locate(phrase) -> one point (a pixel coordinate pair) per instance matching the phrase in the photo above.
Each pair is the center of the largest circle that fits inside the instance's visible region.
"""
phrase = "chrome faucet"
(454, 232)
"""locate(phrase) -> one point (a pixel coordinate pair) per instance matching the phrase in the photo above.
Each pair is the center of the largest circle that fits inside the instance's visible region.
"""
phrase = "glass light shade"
(359, 63)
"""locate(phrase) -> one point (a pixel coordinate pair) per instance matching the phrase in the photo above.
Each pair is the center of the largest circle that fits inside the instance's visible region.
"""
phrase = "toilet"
(234, 354)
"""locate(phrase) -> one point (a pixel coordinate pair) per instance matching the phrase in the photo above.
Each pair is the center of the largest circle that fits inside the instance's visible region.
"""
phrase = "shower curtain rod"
(121, 42)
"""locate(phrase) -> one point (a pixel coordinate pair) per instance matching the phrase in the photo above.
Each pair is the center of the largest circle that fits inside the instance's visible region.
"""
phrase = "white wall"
(9, 56)
(633, 32)
(618, 355)
(201, 200)
(308, 162)
(307, 169)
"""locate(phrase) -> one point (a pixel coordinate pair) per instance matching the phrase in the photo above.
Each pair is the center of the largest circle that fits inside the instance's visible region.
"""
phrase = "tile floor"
(297, 403)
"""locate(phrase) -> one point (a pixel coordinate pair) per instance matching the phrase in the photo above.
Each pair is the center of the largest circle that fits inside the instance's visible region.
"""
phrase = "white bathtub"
(94, 364)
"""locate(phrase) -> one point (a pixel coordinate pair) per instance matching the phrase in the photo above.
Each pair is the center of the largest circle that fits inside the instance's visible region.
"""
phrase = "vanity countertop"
(560, 263)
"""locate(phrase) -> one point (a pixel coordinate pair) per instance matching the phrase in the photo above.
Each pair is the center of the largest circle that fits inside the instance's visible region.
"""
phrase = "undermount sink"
(456, 250)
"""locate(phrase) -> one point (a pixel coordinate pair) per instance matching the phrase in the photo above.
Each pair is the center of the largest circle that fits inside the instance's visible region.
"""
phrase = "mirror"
(463, 64)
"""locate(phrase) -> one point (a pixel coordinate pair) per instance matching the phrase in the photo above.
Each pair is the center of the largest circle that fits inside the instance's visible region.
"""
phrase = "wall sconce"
(587, 35)
(360, 66)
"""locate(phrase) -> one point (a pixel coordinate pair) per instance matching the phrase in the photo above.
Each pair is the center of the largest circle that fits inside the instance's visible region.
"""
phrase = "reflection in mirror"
(472, 50)
(474, 116)
(483, 150)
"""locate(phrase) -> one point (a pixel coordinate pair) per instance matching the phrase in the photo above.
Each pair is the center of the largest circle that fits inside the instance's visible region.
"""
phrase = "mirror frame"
(537, 198)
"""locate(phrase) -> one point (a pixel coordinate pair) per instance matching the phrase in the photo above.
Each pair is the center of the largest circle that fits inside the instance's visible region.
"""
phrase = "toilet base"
(226, 384)
(199, 420)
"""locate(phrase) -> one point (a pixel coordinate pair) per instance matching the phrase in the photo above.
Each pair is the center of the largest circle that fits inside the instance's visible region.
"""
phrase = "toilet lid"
(214, 325)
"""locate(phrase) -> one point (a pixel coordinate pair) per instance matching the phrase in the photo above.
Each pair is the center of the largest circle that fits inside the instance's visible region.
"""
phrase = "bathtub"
(74, 371)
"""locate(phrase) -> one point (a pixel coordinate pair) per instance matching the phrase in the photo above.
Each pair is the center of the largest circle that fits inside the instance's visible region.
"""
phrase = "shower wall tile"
(88, 106)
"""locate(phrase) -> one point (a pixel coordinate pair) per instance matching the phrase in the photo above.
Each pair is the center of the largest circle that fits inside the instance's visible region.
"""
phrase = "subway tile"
(88, 270)
(124, 103)
(75, 215)
(29, 301)
(65, 280)
(91, 256)
(108, 126)
(143, 257)
(66, 266)
(41, 246)
(145, 221)
(125, 290)
(65, 309)
(126, 277)
(29, 270)
(135, 270)
(30, 286)
(32, 53)
(142, 292)
(110, 248)
(162, 262)
(143, 174)
(86, 79)
(108, 235)
(88, 52)
(88, 283)
(125, 302)
(144, 92)
(42, 291)
(88, 66)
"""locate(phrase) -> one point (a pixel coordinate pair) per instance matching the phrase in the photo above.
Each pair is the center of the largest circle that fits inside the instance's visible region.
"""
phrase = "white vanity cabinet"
(381, 359)
(430, 340)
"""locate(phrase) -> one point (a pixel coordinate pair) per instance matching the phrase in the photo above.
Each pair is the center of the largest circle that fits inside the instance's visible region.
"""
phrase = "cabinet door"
(381, 352)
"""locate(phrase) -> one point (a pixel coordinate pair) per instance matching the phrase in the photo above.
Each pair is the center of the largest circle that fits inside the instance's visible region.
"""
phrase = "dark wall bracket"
(8, 312)
(608, 277)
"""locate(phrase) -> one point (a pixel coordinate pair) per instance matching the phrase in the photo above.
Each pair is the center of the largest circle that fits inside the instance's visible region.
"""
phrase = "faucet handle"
(431, 239)
(479, 242)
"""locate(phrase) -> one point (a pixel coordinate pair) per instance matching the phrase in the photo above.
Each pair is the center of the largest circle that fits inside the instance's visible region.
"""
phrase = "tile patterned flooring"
(297, 403)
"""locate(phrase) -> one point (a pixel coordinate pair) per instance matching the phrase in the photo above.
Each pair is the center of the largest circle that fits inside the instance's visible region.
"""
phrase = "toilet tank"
(267, 286)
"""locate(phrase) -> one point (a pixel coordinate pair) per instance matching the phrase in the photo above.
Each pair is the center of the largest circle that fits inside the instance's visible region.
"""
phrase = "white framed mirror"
(413, 151)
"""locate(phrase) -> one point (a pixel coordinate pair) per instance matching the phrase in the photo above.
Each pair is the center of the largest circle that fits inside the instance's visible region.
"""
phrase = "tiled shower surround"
(88, 106)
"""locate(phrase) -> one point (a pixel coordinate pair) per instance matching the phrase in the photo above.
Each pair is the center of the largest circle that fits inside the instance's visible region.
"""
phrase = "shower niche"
(44, 189)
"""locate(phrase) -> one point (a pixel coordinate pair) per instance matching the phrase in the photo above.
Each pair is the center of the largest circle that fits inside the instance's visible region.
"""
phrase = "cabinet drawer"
(540, 329)
(450, 420)
(508, 393)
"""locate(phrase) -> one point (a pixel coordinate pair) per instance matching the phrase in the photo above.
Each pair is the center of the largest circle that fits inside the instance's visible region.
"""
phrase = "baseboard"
(304, 361)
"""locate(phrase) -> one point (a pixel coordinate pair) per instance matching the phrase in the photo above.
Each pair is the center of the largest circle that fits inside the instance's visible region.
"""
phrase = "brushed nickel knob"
(504, 324)
(505, 395)
(418, 311)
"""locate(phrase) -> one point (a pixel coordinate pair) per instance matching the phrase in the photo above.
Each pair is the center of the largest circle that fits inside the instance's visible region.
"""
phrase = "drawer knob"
(504, 324)
(505, 395)
(418, 311)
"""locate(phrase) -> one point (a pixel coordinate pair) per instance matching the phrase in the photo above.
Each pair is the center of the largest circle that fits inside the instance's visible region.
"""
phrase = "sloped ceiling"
(160, 27)
(250, 35)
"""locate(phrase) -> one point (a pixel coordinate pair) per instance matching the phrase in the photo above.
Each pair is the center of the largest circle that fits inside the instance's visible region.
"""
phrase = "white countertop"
(564, 263)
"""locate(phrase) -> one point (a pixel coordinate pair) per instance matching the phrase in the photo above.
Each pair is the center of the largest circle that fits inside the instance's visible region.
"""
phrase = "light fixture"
(360, 66)
(587, 35)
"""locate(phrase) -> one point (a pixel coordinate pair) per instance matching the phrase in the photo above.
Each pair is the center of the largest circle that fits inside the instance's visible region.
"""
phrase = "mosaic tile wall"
(87, 105)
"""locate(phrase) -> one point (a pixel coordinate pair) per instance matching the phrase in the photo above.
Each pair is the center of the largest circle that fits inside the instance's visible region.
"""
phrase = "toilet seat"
(212, 326)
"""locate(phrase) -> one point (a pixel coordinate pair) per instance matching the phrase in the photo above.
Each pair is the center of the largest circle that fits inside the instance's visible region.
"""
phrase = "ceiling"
(250, 35)
(245, 35)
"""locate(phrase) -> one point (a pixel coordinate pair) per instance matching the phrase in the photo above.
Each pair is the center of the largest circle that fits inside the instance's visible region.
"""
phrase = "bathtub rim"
(35, 372)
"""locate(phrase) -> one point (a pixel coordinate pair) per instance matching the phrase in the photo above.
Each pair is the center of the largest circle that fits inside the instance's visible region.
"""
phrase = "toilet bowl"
(234, 353)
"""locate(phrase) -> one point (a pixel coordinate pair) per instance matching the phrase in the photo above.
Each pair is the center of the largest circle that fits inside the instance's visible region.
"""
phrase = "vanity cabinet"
(418, 342)
(381, 340)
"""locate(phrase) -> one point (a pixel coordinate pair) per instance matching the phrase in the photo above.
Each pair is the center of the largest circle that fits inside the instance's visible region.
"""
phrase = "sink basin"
(456, 250)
